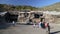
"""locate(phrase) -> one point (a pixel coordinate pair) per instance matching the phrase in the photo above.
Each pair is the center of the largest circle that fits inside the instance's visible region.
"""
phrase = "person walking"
(34, 24)
(13, 23)
(48, 27)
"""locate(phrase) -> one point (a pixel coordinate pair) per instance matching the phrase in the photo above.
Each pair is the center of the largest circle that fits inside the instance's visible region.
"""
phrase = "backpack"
(46, 24)
(42, 25)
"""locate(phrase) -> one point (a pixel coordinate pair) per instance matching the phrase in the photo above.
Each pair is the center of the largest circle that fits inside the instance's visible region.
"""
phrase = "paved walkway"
(28, 29)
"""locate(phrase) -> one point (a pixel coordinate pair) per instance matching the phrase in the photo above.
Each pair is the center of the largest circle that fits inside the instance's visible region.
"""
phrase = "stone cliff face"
(52, 18)
(48, 17)
(56, 18)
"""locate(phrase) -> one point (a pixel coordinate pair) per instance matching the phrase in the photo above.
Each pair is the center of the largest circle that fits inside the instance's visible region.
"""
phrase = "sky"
(35, 3)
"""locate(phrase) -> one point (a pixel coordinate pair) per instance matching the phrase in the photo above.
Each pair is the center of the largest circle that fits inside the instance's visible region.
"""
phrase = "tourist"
(34, 24)
(13, 23)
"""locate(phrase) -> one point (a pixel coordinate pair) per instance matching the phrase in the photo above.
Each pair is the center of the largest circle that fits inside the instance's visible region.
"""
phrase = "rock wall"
(52, 18)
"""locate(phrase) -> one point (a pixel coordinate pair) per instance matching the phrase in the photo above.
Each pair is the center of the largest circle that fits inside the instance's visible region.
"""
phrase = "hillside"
(53, 7)
(5, 7)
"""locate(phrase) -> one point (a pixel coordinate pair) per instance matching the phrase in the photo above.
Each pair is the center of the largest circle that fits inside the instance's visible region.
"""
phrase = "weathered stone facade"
(26, 16)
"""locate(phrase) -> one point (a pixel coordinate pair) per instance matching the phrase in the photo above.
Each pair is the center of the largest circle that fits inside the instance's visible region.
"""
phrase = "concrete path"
(28, 29)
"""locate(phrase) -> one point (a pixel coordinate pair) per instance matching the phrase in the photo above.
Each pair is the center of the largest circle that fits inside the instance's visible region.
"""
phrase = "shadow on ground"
(55, 32)
(4, 26)
(24, 24)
